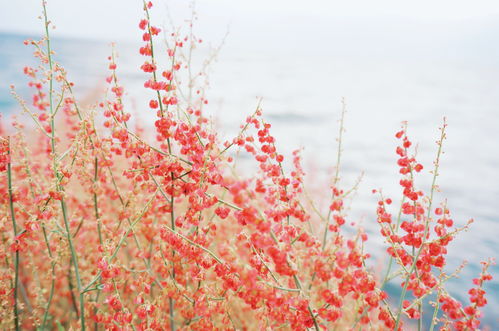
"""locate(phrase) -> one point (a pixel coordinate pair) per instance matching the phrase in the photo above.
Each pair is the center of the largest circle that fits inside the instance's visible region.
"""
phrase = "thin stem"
(337, 171)
(74, 259)
(162, 110)
(97, 218)
(172, 216)
(335, 180)
(390, 263)
(196, 245)
(413, 266)
(71, 288)
(55, 168)
(14, 228)
(434, 318)
(122, 240)
(96, 206)
(52, 285)
(151, 44)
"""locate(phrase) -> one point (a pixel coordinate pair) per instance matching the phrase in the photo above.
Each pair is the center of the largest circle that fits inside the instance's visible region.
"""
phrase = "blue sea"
(383, 83)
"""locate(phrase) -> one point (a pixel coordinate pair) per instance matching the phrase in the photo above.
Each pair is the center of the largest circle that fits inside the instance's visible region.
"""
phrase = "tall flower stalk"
(55, 166)
(15, 285)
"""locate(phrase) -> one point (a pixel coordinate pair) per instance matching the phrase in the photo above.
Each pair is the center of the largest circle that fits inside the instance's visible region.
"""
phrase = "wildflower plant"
(107, 225)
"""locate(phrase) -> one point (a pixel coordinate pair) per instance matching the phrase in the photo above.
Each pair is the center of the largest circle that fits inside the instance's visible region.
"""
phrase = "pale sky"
(117, 19)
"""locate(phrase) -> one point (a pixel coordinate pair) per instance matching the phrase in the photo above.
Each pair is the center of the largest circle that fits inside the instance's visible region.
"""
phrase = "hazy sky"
(117, 19)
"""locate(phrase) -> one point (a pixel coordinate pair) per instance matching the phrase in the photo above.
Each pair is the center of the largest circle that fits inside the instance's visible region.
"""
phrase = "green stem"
(427, 225)
(434, 318)
(96, 206)
(335, 180)
(299, 287)
(97, 218)
(55, 168)
(74, 258)
(337, 171)
(14, 227)
(121, 241)
(71, 290)
(52, 285)
(390, 263)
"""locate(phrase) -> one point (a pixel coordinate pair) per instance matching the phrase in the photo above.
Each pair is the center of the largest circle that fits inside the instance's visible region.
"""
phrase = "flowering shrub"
(107, 226)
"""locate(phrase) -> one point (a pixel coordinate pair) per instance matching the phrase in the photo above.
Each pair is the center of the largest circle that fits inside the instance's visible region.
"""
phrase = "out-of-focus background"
(392, 61)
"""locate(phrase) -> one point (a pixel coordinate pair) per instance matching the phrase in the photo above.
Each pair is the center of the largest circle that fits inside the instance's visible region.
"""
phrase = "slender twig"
(122, 240)
(71, 291)
(196, 245)
(337, 170)
(427, 225)
(55, 167)
(14, 228)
